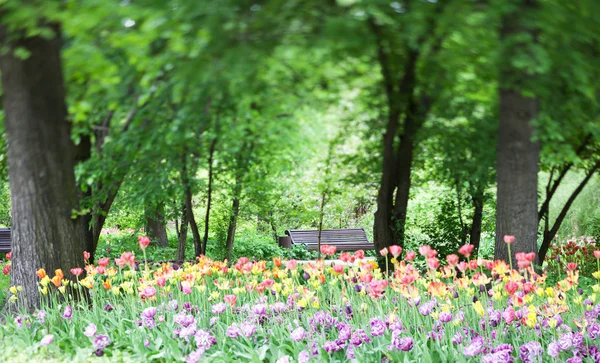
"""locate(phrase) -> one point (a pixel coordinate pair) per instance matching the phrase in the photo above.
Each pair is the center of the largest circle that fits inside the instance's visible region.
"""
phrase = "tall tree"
(155, 225)
(517, 156)
(407, 110)
(41, 158)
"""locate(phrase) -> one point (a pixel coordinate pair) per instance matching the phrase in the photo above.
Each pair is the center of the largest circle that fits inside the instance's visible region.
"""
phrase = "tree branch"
(549, 194)
(563, 213)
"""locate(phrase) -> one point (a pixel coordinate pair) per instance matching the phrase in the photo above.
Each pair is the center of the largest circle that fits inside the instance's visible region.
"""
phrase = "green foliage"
(4, 284)
(291, 92)
(5, 219)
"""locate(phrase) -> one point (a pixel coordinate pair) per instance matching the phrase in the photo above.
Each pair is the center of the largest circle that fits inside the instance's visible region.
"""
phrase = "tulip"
(144, 242)
(41, 273)
(509, 239)
(466, 250)
(395, 250)
(452, 259)
(76, 271)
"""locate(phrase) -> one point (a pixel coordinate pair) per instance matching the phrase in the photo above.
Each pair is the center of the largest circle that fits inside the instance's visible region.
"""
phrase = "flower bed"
(282, 311)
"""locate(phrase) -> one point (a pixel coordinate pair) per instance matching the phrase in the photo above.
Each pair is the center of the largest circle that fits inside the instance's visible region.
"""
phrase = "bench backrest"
(4, 240)
(344, 239)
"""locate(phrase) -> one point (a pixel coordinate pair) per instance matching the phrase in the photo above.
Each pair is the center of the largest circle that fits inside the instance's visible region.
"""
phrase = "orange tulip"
(41, 273)
(107, 284)
(59, 273)
(56, 280)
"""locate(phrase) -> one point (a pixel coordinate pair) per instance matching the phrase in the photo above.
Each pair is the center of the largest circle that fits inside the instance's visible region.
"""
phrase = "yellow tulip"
(45, 281)
(479, 308)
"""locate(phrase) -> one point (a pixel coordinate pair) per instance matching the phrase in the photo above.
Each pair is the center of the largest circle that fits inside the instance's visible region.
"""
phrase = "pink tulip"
(395, 250)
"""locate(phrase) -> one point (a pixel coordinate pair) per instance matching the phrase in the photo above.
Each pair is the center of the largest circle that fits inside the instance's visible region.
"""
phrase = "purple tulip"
(101, 341)
(377, 327)
(298, 334)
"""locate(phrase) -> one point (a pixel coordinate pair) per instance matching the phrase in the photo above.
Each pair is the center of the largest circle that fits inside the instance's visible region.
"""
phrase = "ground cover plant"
(461, 309)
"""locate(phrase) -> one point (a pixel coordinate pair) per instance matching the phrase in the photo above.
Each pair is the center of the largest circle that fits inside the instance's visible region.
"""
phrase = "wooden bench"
(344, 239)
(4, 240)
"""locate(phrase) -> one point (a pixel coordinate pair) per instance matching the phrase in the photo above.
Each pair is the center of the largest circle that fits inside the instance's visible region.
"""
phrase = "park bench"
(4, 240)
(344, 239)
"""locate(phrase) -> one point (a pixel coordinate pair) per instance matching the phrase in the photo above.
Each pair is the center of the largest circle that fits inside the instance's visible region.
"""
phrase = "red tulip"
(511, 287)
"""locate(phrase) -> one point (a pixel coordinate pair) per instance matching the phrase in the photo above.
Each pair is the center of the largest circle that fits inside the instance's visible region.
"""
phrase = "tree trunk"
(390, 217)
(517, 175)
(235, 211)
(517, 156)
(189, 207)
(321, 215)
(155, 226)
(192, 221)
(273, 227)
(211, 155)
(41, 159)
(182, 239)
(404, 167)
(463, 228)
(475, 233)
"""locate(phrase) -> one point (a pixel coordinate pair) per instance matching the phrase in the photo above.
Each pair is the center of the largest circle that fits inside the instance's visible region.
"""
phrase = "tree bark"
(321, 215)
(41, 159)
(182, 239)
(235, 211)
(517, 175)
(213, 147)
(517, 155)
(155, 226)
(463, 228)
(189, 207)
(476, 224)
(192, 221)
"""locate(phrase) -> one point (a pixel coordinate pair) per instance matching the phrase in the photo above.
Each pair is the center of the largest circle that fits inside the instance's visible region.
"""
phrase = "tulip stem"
(509, 256)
